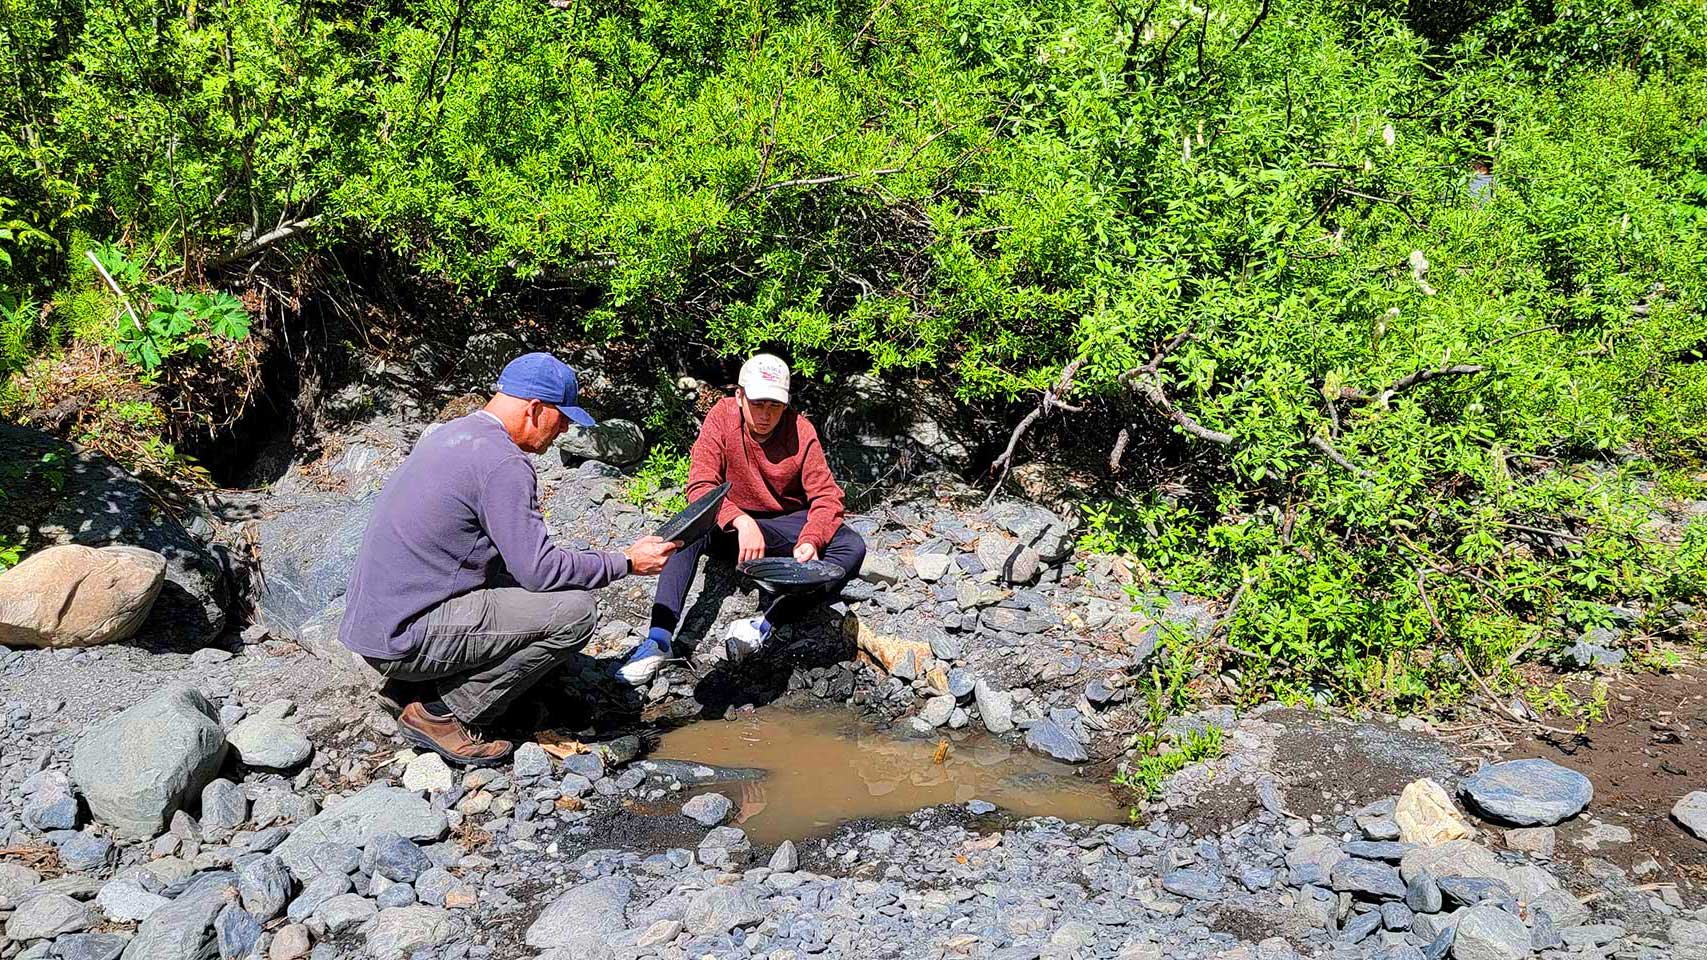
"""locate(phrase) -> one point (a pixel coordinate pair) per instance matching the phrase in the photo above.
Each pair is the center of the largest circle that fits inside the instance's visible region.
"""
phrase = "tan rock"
(887, 651)
(77, 596)
(1426, 816)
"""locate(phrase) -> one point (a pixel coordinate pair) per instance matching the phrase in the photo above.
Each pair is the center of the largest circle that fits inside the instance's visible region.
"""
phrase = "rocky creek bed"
(164, 799)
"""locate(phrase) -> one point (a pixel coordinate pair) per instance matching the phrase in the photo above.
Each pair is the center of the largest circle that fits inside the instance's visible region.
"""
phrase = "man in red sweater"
(782, 501)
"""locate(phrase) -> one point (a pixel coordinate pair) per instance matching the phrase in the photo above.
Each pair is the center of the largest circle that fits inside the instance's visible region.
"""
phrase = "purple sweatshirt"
(462, 509)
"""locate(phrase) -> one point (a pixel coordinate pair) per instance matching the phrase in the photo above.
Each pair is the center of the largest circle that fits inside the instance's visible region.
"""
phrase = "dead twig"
(1050, 401)
(1328, 450)
(1146, 382)
(1406, 382)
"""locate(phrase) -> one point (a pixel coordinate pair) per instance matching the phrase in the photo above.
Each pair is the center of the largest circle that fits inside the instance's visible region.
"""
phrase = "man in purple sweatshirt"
(459, 597)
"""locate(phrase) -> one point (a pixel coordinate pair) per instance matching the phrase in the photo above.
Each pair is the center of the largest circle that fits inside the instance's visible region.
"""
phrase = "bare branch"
(1150, 390)
(833, 178)
(265, 240)
(1261, 15)
(1051, 400)
(102, 270)
(1332, 453)
(1410, 380)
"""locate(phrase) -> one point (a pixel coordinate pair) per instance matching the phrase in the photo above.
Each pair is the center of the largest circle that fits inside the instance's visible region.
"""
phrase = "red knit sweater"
(784, 474)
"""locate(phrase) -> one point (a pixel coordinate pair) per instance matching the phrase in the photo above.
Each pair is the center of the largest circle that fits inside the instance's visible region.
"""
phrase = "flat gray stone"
(1528, 793)
(141, 766)
(1193, 884)
(1489, 933)
(263, 884)
(1050, 738)
(345, 912)
(593, 909)
(269, 743)
(91, 946)
(47, 916)
(236, 931)
(181, 929)
(720, 909)
(400, 931)
(1368, 879)
(126, 901)
(360, 817)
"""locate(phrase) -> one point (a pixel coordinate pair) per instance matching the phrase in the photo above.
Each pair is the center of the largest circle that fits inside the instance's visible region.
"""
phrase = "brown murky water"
(825, 768)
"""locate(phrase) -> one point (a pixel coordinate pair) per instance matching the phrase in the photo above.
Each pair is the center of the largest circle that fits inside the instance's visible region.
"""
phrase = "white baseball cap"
(765, 377)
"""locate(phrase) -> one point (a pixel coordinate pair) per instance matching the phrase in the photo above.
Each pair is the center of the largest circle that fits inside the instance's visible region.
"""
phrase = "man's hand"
(649, 554)
(752, 539)
(805, 552)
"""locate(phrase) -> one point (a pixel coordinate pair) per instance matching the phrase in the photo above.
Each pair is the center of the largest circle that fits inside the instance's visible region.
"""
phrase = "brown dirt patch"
(1649, 752)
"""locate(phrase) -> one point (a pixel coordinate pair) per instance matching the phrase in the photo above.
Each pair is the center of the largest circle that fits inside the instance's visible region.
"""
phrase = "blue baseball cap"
(541, 376)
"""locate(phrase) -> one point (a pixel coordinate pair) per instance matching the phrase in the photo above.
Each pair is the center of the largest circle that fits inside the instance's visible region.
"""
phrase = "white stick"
(114, 284)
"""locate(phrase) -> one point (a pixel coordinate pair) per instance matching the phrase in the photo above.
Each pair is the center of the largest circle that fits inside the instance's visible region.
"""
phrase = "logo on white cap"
(765, 377)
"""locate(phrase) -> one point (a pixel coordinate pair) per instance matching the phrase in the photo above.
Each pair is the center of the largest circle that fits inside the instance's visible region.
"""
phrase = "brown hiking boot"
(450, 738)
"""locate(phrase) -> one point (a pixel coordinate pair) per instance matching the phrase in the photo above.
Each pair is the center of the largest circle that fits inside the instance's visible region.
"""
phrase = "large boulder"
(358, 818)
(77, 596)
(621, 442)
(877, 433)
(138, 768)
(307, 553)
(78, 496)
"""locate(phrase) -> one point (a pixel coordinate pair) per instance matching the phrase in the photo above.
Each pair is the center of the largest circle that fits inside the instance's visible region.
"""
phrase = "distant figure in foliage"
(459, 597)
(782, 501)
(1481, 181)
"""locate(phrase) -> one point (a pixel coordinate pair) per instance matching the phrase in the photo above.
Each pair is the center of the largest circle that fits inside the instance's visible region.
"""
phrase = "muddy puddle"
(822, 768)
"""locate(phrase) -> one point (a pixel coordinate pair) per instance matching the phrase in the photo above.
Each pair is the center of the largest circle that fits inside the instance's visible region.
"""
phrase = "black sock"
(437, 709)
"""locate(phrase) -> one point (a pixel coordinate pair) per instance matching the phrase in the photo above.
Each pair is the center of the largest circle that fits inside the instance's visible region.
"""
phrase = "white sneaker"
(644, 662)
(742, 639)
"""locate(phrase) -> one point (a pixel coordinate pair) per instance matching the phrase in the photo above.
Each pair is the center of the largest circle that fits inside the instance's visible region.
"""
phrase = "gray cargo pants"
(486, 647)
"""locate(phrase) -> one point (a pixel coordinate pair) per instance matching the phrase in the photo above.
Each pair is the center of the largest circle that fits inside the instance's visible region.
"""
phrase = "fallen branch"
(1050, 401)
(832, 178)
(1119, 451)
(265, 240)
(1146, 382)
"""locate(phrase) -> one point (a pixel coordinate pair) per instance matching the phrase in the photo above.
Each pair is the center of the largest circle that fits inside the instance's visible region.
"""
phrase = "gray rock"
(531, 762)
(1528, 793)
(1583, 655)
(1358, 928)
(995, 707)
(400, 931)
(574, 785)
(592, 910)
(786, 859)
(1312, 859)
(435, 885)
(1454, 858)
(224, 807)
(399, 895)
(311, 548)
(589, 765)
(726, 848)
(271, 744)
(1595, 935)
(1049, 737)
(85, 852)
(961, 683)
(16, 880)
(180, 930)
(48, 915)
(1013, 562)
(937, 710)
(1689, 937)
(357, 819)
(263, 883)
(397, 858)
(708, 809)
(1384, 850)
(1489, 933)
(319, 890)
(1562, 907)
(91, 946)
(138, 768)
(931, 567)
(720, 909)
(127, 901)
(290, 943)
(880, 569)
(619, 442)
(48, 802)
(1368, 879)
(345, 912)
(1470, 891)
(333, 857)
(1193, 884)
(280, 805)
(1691, 813)
(236, 932)
(1422, 893)
(1396, 916)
